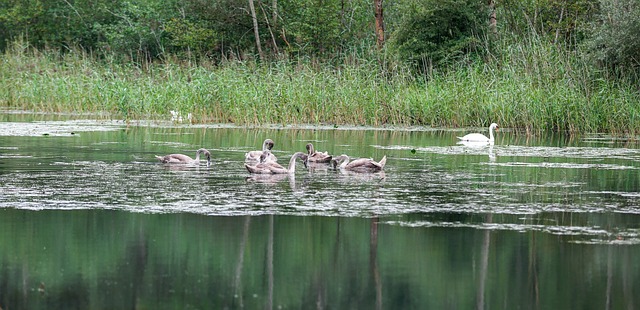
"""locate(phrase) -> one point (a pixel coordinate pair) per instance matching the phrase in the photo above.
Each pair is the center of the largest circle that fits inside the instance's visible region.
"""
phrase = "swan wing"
(258, 169)
(382, 162)
(319, 158)
(278, 170)
(474, 137)
(366, 165)
(357, 163)
(252, 155)
(255, 156)
(174, 159)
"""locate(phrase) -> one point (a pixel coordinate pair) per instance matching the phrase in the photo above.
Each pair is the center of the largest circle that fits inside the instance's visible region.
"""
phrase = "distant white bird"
(176, 117)
(478, 137)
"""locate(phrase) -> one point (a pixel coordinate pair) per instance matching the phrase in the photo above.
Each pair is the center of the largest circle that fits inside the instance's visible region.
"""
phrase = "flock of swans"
(264, 162)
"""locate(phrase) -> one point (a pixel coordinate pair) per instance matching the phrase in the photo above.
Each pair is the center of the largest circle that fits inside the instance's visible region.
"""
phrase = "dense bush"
(559, 21)
(615, 42)
(434, 32)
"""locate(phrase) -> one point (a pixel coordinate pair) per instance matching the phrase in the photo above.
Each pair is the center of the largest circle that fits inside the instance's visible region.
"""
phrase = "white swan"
(184, 159)
(478, 137)
(267, 166)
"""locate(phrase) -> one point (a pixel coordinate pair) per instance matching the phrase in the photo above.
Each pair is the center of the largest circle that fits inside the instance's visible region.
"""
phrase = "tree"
(256, 33)
(493, 22)
(434, 32)
(377, 4)
(614, 40)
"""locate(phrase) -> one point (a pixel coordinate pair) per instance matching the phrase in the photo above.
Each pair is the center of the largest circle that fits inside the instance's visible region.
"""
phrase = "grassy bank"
(529, 85)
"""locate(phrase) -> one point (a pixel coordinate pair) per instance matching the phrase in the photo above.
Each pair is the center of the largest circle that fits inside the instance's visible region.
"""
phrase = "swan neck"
(292, 163)
(344, 162)
(490, 133)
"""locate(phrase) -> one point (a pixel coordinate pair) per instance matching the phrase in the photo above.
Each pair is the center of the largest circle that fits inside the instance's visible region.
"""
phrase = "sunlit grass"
(529, 85)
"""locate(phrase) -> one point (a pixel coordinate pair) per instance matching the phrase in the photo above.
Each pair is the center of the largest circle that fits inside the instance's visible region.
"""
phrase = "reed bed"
(529, 85)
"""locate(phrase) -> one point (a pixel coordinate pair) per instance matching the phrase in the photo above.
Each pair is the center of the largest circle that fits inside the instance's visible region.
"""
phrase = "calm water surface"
(89, 220)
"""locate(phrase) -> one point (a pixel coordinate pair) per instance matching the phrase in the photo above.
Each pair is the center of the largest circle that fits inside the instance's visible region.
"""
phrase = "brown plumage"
(317, 157)
(267, 145)
(267, 166)
(184, 159)
(359, 165)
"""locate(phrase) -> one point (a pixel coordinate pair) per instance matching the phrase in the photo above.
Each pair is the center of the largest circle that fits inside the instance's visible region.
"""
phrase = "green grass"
(531, 85)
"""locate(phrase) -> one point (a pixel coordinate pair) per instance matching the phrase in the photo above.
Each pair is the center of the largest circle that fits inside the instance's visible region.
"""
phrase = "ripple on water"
(56, 128)
(564, 165)
(587, 234)
(529, 151)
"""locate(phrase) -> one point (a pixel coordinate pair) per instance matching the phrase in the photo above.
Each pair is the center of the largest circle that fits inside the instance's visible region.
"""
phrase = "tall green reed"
(529, 84)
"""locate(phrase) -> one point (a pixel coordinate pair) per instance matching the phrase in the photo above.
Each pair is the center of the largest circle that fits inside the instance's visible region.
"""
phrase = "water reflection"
(350, 176)
(484, 266)
(480, 147)
(270, 178)
(98, 259)
(317, 167)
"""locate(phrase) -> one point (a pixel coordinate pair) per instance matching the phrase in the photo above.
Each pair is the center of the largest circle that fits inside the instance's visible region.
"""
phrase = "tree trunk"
(273, 37)
(274, 13)
(255, 28)
(493, 22)
(377, 4)
(555, 41)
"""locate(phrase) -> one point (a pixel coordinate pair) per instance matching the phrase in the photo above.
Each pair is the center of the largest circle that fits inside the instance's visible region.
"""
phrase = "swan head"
(305, 159)
(338, 160)
(206, 153)
(494, 126)
(267, 144)
(310, 149)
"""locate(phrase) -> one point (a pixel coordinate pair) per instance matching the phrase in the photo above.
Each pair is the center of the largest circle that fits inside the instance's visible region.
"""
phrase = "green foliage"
(439, 32)
(559, 21)
(312, 26)
(192, 37)
(57, 23)
(614, 43)
(136, 31)
(15, 17)
(225, 22)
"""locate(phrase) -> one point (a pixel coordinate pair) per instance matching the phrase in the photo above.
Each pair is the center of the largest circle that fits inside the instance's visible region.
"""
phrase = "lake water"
(90, 220)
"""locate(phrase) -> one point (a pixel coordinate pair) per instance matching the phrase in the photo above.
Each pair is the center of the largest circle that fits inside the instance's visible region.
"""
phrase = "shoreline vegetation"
(532, 85)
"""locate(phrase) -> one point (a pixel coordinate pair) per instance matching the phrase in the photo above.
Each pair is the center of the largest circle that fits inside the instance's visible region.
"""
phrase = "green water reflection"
(95, 259)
